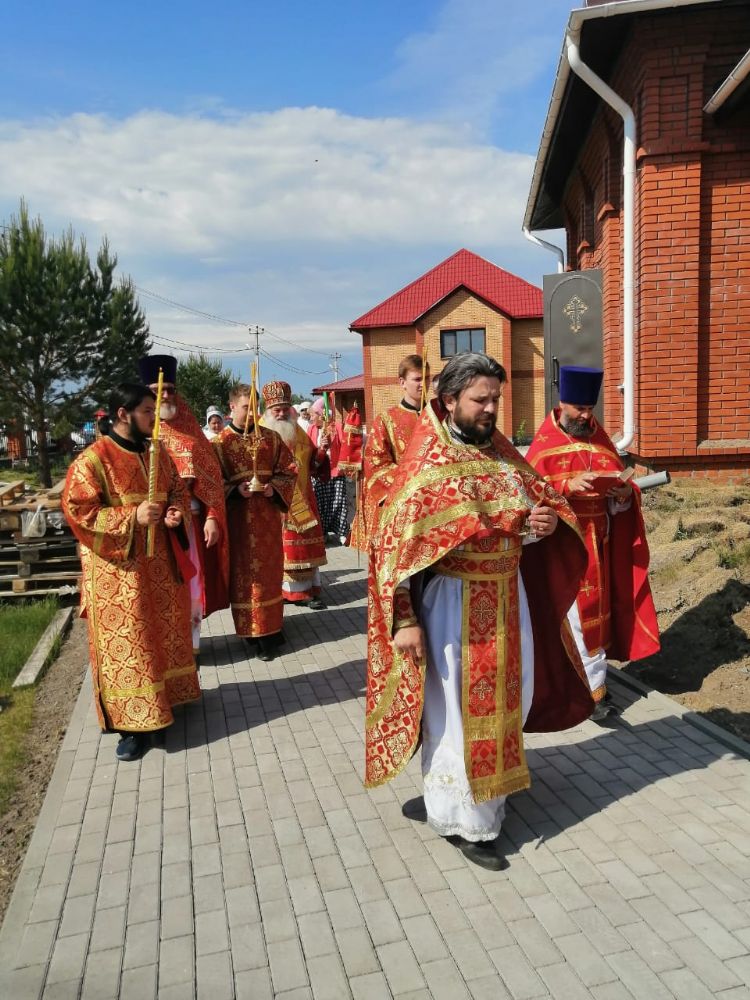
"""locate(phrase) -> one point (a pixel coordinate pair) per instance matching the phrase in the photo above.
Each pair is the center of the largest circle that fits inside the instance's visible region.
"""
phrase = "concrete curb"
(34, 666)
(740, 746)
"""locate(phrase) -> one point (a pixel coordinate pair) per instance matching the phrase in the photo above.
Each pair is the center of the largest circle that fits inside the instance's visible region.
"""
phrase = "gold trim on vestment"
(146, 689)
(258, 604)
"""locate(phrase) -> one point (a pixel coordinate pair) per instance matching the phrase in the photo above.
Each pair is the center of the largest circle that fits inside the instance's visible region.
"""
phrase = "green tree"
(204, 383)
(68, 331)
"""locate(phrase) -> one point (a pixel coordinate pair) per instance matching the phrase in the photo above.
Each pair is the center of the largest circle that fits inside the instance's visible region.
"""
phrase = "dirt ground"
(699, 536)
(53, 707)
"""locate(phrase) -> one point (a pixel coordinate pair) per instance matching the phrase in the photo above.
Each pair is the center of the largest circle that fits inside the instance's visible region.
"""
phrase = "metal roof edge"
(578, 17)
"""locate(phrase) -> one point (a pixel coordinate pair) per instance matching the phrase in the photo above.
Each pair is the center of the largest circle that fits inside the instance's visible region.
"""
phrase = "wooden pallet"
(67, 581)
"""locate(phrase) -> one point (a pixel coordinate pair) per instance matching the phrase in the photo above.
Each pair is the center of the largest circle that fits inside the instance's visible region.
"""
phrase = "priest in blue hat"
(613, 614)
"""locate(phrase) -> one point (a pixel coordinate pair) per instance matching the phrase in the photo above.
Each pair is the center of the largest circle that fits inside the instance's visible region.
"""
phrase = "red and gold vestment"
(386, 443)
(138, 608)
(448, 508)
(196, 460)
(614, 600)
(256, 556)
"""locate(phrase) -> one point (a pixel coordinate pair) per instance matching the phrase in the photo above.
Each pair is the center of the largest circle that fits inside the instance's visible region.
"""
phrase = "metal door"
(573, 333)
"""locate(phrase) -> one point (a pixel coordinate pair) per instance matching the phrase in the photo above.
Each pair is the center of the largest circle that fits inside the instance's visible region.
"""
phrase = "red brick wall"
(692, 241)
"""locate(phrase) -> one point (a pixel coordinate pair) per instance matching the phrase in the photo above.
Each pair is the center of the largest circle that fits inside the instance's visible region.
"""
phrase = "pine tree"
(68, 332)
(204, 383)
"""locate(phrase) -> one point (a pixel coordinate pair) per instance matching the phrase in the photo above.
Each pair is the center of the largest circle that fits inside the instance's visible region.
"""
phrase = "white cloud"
(477, 62)
(299, 219)
(206, 186)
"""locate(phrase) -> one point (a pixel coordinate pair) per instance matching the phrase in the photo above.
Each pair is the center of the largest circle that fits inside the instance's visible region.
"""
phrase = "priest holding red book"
(613, 614)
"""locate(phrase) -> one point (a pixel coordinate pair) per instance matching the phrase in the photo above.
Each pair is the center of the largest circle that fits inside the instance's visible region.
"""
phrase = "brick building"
(464, 303)
(346, 392)
(683, 70)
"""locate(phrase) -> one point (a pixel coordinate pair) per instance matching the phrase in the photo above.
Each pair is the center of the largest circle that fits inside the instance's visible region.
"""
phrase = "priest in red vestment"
(474, 564)
(304, 545)
(259, 477)
(387, 439)
(197, 464)
(137, 606)
(613, 614)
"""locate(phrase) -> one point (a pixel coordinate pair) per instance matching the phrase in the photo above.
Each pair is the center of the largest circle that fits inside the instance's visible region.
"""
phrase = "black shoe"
(316, 604)
(265, 648)
(603, 711)
(414, 809)
(483, 853)
(132, 746)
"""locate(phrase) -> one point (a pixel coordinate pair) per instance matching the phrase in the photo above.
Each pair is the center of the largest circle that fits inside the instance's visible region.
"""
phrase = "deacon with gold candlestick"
(259, 478)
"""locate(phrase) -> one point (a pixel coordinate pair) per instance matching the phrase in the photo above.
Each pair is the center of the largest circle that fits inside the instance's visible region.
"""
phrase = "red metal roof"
(343, 385)
(511, 295)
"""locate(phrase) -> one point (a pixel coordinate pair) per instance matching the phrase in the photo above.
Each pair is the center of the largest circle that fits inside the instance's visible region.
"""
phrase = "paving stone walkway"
(245, 859)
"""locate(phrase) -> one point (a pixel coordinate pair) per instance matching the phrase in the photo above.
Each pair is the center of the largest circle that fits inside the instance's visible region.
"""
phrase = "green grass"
(21, 626)
(733, 555)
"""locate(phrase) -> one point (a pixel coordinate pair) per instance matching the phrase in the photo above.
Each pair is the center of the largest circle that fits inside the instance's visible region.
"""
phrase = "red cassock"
(255, 527)
(386, 443)
(614, 600)
(196, 460)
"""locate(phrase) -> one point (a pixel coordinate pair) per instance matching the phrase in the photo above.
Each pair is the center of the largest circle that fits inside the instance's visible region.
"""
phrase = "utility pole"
(335, 358)
(258, 331)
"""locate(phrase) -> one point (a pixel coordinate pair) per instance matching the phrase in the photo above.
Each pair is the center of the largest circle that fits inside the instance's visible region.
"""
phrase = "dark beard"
(137, 436)
(472, 434)
(580, 428)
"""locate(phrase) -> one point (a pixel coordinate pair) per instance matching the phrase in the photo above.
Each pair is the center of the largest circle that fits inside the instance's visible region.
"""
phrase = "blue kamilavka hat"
(580, 386)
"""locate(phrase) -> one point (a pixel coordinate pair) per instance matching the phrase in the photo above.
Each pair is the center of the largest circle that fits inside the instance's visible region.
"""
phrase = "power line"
(196, 347)
(291, 368)
(188, 309)
(223, 319)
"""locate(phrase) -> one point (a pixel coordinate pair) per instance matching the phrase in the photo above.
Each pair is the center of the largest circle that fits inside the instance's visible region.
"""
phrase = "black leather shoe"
(603, 711)
(132, 746)
(265, 649)
(415, 810)
(316, 604)
(483, 853)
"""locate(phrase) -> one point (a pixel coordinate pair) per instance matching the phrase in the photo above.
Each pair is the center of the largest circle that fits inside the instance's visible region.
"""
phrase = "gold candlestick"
(153, 464)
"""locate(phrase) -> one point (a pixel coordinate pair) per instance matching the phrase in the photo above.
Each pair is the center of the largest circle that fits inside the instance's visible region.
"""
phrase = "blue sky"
(286, 165)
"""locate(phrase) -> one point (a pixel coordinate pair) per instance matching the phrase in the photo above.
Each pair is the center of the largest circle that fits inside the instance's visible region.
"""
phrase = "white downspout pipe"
(628, 227)
(557, 251)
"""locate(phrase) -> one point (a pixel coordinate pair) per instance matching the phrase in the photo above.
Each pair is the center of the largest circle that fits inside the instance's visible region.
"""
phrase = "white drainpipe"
(557, 251)
(628, 228)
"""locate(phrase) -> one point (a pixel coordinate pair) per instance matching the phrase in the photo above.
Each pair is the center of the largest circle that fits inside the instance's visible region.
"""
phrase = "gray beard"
(578, 428)
(286, 429)
(168, 411)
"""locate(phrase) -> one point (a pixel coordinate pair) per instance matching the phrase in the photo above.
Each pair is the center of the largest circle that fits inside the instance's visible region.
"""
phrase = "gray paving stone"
(176, 962)
(519, 978)
(370, 987)
(139, 983)
(68, 959)
(288, 970)
(400, 967)
(253, 984)
(141, 945)
(102, 978)
(214, 976)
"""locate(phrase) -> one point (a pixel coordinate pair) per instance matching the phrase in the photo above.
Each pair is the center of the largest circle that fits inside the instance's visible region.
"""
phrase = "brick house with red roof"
(464, 303)
(683, 71)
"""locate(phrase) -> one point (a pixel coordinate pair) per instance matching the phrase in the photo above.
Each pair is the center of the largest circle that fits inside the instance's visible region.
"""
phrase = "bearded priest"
(304, 545)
